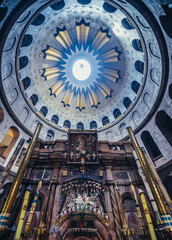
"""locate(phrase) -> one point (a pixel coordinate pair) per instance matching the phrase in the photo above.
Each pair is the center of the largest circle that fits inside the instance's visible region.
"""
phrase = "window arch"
(39, 20)
(127, 101)
(84, 2)
(150, 145)
(1, 115)
(164, 123)
(8, 142)
(93, 125)
(105, 120)
(170, 91)
(26, 82)
(137, 45)
(127, 24)
(58, 5)
(23, 61)
(135, 86)
(55, 119)
(116, 113)
(139, 66)
(34, 99)
(80, 126)
(109, 8)
(50, 135)
(27, 40)
(66, 124)
(44, 111)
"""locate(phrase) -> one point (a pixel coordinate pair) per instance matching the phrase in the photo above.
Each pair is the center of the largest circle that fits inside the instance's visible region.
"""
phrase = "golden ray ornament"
(65, 80)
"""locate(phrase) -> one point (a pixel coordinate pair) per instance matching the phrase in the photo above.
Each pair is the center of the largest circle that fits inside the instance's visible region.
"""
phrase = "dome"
(68, 64)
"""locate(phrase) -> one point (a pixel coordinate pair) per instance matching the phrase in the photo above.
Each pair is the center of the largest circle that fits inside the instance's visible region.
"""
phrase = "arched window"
(38, 20)
(27, 40)
(139, 66)
(59, 5)
(93, 125)
(164, 123)
(135, 86)
(23, 61)
(44, 111)
(127, 24)
(122, 129)
(1, 115)
(50, 135)
(150, 145)
(26, 82)
(116, 113)
(55, 119)
(105, 120)
(137, 45)
(127, 101)
(66, 124)
(8, 142)
(109, 8)
(34, 99)
(80, 126)
(84, 2)
(170, 91)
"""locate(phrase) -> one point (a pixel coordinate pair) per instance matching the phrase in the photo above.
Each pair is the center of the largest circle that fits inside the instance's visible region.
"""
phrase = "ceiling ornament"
(82, 67)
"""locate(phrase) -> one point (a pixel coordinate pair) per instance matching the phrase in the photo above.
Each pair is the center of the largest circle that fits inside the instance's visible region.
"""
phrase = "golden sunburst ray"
(53, 54)
(110, 74)
(64, 38)
(52, 72)
(93, 97)
(82, 33)
(58, 87)
(105, 90)
(109, 56)
(80, 100)
(100, 40)
(68, 97)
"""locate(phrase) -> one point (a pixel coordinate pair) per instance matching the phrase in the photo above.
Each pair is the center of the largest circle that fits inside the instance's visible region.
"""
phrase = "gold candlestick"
(148, 216)
(22, 214)
(5, 214)
(163, 210)
(32, 210)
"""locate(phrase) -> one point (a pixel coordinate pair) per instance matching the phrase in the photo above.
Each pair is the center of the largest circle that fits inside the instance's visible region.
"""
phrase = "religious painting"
(82, 147)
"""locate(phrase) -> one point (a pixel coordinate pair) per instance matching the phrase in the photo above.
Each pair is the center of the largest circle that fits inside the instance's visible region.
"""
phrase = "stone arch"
(50, 135)
(66, 124)
(25, 114)
(8, 141)
(122, 129)
(80, 126)
(93, 125)
(14, 95)
(105, 120)
(136, 117)
(164, 123)
(127, 102)
(147, 99)
(55, 119)
(150, 145)
(43, 111)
